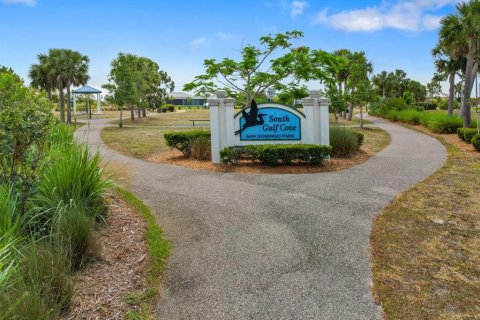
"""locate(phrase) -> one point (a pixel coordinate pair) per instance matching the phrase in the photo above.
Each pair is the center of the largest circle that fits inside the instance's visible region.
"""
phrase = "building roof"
(86, 90)
(183, 95)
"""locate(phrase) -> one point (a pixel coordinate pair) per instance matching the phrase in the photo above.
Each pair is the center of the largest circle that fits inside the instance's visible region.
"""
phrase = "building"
(185, 99)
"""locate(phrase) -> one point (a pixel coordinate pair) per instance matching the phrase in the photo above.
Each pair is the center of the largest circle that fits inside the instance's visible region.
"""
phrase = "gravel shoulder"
(285, 246)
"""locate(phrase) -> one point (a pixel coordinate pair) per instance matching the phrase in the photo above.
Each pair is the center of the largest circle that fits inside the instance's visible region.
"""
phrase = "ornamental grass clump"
(344, 142)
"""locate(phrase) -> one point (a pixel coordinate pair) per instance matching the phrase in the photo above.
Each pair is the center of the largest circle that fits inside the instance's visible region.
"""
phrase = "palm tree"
(460, 35)
(67, 67)
(447, 67)
(381, 81)
(39, 74)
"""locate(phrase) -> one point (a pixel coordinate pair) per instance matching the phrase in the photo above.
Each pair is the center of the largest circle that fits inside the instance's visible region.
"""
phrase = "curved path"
(274, 246)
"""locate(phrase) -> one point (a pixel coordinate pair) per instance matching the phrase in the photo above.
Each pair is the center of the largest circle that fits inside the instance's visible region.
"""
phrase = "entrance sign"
(273, 124)
(268, 123)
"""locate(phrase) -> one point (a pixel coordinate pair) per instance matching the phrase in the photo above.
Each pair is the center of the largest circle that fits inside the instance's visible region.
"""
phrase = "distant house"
(185, 99)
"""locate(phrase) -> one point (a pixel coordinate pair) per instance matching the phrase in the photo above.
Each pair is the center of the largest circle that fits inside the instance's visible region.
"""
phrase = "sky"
(180, 34)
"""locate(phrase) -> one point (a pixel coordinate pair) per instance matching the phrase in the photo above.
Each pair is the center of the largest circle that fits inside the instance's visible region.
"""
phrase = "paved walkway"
(274, 246)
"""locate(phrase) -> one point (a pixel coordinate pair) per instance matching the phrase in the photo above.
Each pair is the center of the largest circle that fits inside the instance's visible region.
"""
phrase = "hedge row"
(476, 142)
(466, 134)
(275, 154)
(183, 140)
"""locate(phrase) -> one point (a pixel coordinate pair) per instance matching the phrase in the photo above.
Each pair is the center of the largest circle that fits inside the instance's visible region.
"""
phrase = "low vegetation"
(187, 141)
(275, 154)
(52, 195)
(345, 142)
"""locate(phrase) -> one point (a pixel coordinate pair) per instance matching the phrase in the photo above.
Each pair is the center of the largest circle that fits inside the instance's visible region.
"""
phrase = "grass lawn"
(376, 139)
(426, 245)
(139, 142)
(168, 119)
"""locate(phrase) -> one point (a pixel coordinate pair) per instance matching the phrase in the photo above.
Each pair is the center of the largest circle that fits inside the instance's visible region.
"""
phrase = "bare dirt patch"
(100, 288)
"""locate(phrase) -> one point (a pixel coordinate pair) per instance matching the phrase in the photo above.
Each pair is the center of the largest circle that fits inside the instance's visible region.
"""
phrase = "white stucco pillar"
(99, 110)
(315, 108)
(214, 105)
(74, 103)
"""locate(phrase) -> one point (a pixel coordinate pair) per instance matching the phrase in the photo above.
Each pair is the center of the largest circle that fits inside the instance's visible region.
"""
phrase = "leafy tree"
(381, 81)
(289, 97)
(25, 122)
(260, 67)
(136, 82)
(359, 84)
(434, 87)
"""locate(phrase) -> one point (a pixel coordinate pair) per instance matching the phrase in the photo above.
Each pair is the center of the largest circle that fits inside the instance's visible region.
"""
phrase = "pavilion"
(86, 90)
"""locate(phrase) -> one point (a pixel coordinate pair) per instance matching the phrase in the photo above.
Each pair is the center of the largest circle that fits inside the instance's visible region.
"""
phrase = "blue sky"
(180, 34)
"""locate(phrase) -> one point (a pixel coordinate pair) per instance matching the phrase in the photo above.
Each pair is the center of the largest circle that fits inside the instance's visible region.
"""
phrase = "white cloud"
(27, 2)
(413, 15)
(198, 43)
(226, 36)
(297, 8)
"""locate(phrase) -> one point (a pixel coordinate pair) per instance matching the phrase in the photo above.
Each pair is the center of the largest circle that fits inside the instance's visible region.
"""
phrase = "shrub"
(275, 154)
(396, 104)
(466, 134)
(344, 142)
(201, 148)
(442, 123)
(42, 288)
(73, 180)
(360, 138)
(170, 107)
(182, 140)
(476, 142)
(393, 115)
(75, 234)
(410, 116)
(164, 109)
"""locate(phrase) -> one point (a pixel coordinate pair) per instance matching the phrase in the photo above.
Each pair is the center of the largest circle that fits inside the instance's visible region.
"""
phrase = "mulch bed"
(100, 288)
(175, 157)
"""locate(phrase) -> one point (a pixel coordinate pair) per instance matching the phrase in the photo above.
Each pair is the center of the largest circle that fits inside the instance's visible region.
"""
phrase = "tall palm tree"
(40, 77)
(460, 34)
(447, 66)
(381, 81)
(67, 67)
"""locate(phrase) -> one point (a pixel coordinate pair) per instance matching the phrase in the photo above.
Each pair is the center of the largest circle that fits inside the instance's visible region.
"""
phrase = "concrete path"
(274, 246)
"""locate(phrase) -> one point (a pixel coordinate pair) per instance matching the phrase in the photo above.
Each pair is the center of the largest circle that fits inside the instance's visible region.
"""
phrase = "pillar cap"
(221, 94)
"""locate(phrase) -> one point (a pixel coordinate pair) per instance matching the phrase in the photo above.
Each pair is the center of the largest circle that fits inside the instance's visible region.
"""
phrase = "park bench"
(198, 120)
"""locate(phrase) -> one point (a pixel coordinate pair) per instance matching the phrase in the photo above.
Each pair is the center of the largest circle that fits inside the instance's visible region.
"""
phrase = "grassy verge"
(158, 251)
(376, 139)
(426, 246)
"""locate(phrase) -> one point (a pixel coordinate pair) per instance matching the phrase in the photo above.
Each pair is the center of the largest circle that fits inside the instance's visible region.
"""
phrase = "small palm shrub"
(343, 141)
(201, 148)
(442, 123)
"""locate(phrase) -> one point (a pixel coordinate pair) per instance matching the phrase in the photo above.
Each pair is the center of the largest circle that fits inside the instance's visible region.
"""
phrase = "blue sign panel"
(269, 123)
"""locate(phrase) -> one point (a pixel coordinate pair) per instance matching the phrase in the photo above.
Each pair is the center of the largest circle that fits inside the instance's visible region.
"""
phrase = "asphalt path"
(273, 246)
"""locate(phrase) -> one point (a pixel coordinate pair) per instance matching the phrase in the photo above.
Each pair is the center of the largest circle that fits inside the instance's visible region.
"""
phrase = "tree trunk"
(49, 94)
(139, 114)
(144, 112)
(361, 117)
(132, 113)
(62, 104)
(350, 112)
(69, 105)
(467, 87)
(120, 123)
(451, 93)
(383, 95)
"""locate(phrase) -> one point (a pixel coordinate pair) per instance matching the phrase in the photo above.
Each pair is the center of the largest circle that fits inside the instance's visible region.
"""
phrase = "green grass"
(426, 270)
(158, 252)
(376, 139)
